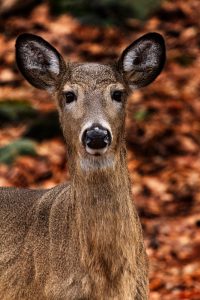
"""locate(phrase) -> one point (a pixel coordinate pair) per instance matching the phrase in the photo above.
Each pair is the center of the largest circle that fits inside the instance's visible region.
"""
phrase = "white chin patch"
(96, 151)
(93, 163)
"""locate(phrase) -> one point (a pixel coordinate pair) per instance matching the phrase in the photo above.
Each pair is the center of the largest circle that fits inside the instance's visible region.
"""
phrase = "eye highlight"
(117, 96)
(69, 97)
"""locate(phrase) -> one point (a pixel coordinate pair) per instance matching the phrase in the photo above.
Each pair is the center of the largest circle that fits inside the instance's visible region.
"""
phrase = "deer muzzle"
(96, 139)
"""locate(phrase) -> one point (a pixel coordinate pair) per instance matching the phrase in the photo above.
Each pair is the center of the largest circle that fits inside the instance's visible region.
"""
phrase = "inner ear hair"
(38, 61)
(143, 60)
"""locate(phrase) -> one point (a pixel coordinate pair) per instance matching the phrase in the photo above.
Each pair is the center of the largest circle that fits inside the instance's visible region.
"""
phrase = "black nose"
(96, 137)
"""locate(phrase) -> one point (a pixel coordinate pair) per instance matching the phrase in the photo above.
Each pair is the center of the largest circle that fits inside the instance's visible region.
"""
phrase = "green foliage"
(105, 11)
(10, 152)
(141, 115)
(15, 111)
(143, 8)
(185, 60)
(40, 125)
(45, 126)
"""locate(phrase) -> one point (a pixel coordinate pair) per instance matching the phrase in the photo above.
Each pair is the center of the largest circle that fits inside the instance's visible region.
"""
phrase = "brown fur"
(82, 239)
(76, 241)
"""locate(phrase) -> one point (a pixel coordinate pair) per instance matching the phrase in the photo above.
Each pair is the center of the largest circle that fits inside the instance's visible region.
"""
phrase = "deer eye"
(117, 96)
(69, 97)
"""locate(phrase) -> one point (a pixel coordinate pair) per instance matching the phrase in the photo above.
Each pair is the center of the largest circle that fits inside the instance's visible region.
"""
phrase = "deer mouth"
(96, 152)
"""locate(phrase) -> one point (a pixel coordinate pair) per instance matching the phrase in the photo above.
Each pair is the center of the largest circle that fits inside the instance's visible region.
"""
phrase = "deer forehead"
(90, 74)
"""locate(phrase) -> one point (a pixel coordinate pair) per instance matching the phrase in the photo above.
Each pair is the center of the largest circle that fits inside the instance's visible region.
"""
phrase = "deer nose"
(96, 137)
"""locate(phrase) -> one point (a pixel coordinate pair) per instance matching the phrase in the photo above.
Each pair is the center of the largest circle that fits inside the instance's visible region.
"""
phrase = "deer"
(81, 239)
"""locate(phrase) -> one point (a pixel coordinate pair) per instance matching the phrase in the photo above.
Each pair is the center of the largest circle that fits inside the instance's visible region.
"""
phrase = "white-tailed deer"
(82, 239)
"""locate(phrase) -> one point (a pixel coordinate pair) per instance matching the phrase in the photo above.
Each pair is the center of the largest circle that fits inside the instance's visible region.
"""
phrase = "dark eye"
(69, 97)
(117, 96)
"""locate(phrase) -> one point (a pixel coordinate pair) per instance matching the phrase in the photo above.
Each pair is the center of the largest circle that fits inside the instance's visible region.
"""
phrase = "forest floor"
(163, 131)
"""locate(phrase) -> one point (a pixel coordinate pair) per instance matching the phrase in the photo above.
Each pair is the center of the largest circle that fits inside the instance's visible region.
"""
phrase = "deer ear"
(143, 60)
(39, 62)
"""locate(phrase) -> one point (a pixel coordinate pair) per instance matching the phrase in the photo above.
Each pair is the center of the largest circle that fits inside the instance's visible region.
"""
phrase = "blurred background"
(163, 120)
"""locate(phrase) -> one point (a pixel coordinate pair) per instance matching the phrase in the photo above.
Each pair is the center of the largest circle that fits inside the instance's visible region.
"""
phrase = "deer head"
(91, 97)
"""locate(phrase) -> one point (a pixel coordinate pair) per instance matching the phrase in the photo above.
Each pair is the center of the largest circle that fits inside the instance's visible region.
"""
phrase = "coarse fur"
(82, 239)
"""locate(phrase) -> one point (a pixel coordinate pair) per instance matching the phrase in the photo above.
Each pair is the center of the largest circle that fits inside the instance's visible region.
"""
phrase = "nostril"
(88, 140)
(107, 139)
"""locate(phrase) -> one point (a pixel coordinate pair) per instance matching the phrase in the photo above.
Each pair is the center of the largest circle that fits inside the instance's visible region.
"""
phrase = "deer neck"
(105, 208)
(106, 222)
(102, 186)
